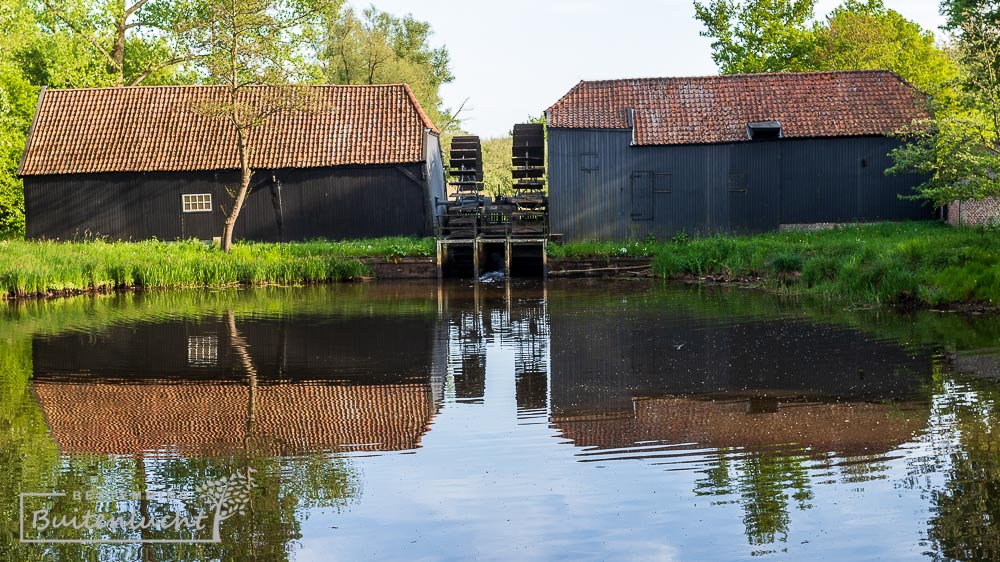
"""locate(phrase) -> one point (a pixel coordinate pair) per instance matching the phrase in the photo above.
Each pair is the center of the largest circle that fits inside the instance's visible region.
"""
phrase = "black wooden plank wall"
(602, 188)
(333, 203)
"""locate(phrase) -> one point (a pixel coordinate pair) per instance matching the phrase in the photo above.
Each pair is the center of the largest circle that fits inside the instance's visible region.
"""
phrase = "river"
(571, 420)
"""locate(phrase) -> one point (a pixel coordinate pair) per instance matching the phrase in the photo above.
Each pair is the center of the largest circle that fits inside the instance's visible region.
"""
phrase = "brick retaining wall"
(969, 213)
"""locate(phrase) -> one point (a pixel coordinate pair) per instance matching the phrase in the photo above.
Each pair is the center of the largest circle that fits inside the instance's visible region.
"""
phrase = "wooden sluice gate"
(514, 257)
(508, 234)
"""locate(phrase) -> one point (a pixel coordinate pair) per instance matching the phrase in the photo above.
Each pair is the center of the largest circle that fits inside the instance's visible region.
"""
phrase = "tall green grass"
(36, 268)
(890, 263)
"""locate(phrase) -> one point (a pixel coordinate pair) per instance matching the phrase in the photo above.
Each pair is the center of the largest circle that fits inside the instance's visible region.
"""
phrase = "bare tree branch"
(134, 8)
(453, 118)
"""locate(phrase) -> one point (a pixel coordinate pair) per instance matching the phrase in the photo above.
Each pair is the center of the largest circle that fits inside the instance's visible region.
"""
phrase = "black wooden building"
(151, 162)
(740, 154)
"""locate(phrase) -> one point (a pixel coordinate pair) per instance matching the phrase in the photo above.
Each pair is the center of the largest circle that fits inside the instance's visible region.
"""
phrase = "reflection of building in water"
(751, 405)
(847, 428)
(194, 418)
(600, 361)
(511, 316)
(529, 333)
(467, 355)
(619, 375)
(293, 384)
(364, 349)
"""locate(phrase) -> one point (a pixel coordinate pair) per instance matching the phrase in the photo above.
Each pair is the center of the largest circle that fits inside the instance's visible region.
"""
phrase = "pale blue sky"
(514, 58)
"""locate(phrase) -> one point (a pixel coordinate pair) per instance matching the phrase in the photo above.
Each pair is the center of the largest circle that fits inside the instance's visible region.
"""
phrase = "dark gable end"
(159, 129)
(718, 109)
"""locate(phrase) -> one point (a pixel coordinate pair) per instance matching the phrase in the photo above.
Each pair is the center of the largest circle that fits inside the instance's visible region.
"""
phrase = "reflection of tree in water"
(284, 489)
(28, 455)
(965, 524)
(766, 485)
(286, 486)
(268, 530)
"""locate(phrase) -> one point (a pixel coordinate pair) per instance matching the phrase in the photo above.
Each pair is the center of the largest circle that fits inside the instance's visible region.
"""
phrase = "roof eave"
(31, 132)
(420, 110)
(748, 141)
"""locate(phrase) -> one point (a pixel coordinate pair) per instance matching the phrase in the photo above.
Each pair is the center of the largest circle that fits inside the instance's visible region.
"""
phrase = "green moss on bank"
(890, 263)
(31, 268)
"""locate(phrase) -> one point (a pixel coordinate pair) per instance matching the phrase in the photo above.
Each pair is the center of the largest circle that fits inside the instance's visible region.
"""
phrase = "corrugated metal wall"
(435, 172)
(601, 188)
(286, 205)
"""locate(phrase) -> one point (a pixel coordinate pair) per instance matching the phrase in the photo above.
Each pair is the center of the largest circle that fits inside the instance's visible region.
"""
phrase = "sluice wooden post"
(545, 259)
(507, 250)
(475, 258)
(440, 259)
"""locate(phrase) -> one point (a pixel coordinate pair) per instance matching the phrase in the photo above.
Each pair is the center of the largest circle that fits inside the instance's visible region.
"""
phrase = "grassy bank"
(33, 268)
(891, 263)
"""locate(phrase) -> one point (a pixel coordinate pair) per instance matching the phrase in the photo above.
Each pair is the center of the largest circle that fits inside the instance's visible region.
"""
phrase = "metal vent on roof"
(764, 130)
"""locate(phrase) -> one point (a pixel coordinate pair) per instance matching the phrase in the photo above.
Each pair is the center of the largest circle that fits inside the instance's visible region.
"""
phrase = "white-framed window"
(196, 202)
(203, 351)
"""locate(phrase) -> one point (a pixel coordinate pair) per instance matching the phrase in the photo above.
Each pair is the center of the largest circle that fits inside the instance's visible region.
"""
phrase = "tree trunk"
(118, 49)
(246, 174)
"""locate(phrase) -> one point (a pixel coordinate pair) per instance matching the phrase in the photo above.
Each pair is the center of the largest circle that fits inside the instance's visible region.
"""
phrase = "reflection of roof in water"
(210, 419)
(846, 428)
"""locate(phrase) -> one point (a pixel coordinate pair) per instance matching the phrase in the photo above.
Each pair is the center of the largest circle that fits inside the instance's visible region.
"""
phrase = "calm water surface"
(567, 421)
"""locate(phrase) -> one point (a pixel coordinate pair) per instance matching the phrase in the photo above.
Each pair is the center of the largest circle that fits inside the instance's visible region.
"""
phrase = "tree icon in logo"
(226, 496)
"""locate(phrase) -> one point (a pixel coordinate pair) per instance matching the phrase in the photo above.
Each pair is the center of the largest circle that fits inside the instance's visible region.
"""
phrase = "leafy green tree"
(39, 48)
(758, 35)
(133, 41)
(777, 36)
(375, 47)
(961, 12)
(497, 167)
(18, 96)
(960, 151)
(864, 35)
(15, 115)
(242, 44)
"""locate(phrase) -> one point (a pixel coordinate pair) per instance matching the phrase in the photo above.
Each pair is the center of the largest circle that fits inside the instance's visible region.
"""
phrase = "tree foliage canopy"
(782, 36)
(758, 35)
(375, 47)
(961, 12)
(95, 43)
(243, 43)
(959, 151)
(864, 35)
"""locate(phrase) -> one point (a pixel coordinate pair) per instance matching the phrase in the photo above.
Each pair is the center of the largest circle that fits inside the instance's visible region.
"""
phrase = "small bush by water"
(28, 268)
(889, 263)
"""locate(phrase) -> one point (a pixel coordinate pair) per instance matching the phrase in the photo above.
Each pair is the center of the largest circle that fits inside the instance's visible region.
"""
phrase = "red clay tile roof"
(717, 109)
(211, 419)
(162, 128)
(848, 428)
